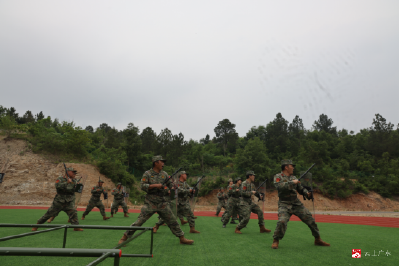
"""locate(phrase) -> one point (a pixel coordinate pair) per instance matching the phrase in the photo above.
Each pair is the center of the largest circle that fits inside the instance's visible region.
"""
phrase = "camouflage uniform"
(183, 202)
(63, 201)
(289, 204)
(221, 202)
(118, 201)
(156, 200)
(235, 213)
(247, 206)
(95, 201)
(233, 203)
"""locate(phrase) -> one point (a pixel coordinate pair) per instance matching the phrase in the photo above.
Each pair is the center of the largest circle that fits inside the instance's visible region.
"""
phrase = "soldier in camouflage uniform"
(155, 201)
(233, 202)
(118, 201)
(289, 204)
(64, 200)
(234, 215)
(221, 200)
(95, 201)
(184, 193)
(247, 189)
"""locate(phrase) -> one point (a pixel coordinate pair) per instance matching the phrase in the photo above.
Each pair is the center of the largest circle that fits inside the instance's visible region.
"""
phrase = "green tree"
(13, 113)
(149, 140)
(226, 134)
(89, 129)
(8, 125)
(132, 144)
(205, 140)
(382, 138)
(253, 157)
(277, 137)
(39, 116)
(324, 124)
(27, 117)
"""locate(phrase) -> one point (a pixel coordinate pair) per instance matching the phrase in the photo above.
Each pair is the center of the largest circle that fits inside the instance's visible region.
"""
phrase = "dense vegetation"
(347, 162)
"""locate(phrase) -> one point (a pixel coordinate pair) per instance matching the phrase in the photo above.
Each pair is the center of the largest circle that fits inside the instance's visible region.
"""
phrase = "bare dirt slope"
(30, 178)
(358, 202)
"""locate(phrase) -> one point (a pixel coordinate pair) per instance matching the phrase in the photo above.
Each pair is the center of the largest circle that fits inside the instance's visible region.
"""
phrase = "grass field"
(214, 246)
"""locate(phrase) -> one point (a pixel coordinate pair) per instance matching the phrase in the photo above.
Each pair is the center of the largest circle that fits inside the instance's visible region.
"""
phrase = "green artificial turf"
(213, 246)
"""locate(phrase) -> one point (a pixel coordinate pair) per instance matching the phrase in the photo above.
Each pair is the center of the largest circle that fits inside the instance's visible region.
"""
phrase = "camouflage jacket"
(287, 189)
(228, 192)
(155, 195)
(117, 193)
(96, 194)
(183, 192)
(65, 191)
(221, 196)
(232, 191)
(245, 191)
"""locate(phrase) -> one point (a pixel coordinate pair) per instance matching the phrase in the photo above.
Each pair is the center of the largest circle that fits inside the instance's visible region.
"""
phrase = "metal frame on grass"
(105, 253)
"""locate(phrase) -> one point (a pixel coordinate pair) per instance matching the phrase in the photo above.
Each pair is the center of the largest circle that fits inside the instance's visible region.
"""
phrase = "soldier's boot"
(105, 218)
(193, 231)
(50, 220)
(112, 215)
(224, 226)
(34, 228)
(185, 241)
(275, 244)
(69, 220)
(195, 218)
(155, 228)
(78, 229)
(318, 242)
(216, 214)
(83, 217)
(123, 239)
(164, 224)
(264, 230)
(183, 221)
(126, 214)
(237, 230)
(233, 221)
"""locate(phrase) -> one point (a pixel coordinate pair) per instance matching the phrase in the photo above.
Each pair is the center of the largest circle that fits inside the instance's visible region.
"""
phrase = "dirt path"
(360, 220)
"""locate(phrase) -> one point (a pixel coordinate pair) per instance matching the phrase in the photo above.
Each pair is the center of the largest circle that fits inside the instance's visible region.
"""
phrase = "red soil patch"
(374, 221)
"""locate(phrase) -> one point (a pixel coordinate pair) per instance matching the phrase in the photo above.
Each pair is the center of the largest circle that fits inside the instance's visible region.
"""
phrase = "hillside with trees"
(346, 162)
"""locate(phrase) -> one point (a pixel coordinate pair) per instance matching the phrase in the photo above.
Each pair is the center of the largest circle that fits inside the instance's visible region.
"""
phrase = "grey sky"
(187, 65)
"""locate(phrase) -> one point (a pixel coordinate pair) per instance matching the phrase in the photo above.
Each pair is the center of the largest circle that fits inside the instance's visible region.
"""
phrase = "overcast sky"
(187, 65)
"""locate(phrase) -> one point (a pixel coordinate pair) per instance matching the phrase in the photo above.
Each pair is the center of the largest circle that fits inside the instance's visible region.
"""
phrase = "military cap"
(182, 172)
(237, 179)
(101, 181)
(287, 162)
(72, 170)
(119, 184)
(230, 180)
(250, 173)
(157, 158)
(221, 188)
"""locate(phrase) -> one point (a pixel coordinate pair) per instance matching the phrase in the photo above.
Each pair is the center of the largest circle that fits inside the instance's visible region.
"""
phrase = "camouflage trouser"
(221, 204)
(285, 211)
(233, 208)
(165, 212)
(179, 215)
(95, 203)
(234, 214)
(186, 211)
(56, 207)
(116, 203)
(60, 210)
(246, 208)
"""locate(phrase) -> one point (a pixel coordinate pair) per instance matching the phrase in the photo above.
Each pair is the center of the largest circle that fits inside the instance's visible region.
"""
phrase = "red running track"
(360, 220)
